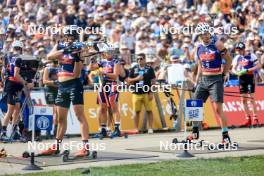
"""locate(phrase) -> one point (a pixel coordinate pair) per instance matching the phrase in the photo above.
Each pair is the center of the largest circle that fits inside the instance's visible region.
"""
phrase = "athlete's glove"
(242, 72)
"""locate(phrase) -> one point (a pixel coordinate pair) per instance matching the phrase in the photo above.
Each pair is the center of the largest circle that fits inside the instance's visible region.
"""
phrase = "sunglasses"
(140, 58)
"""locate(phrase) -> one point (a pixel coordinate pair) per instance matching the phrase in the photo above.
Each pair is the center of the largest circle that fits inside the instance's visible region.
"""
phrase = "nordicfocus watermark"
(205, 145)
(133, 88)
(62, 30)
(189, 30)
(71, 145)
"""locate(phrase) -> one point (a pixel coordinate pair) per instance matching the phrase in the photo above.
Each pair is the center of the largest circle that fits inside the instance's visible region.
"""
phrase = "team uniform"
(108, 93)
(246, 81)
(12, 85)
(140, 97)
(211, 85)
(68, 91)
(51, 91)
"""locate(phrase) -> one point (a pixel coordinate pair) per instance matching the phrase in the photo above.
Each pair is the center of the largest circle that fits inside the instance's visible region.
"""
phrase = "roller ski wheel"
(175, 141)
(94, 154)
(125, 135)
(25, 154)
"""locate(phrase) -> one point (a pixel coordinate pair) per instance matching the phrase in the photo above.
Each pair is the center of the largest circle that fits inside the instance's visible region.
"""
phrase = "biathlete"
(210, 77)
(243, 65)
(108, 95)
(70, 90)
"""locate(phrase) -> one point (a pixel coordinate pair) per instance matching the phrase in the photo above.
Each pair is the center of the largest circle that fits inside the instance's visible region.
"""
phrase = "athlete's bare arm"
(116, 73)
(46, 80)
(54, 54)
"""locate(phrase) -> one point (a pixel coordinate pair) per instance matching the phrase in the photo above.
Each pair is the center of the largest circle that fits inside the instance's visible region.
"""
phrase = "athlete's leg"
(6, 119)
(79, 112)
(245, 104)
(244, 84)
(201, 93)
(217, 96)
(15, 114)
(62, 122)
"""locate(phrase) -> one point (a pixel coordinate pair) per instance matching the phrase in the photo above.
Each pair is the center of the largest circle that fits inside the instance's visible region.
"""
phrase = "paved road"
(140, 141)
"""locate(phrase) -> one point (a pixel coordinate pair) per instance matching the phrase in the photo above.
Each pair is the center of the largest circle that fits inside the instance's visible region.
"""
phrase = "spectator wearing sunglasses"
(142, 77)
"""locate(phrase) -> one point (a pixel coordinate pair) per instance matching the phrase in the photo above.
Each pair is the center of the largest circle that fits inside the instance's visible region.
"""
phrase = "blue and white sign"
(43, 122)
(194, 110)
(43, 118)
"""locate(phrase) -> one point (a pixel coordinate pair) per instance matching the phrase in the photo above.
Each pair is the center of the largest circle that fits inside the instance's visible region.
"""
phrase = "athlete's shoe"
(116, 133)
(83, 152)
(101, 134)
(255, 123)
(247, 123)
(51, 150)
(226, 138)
(4, 137)
(16, 136)
(194, 135)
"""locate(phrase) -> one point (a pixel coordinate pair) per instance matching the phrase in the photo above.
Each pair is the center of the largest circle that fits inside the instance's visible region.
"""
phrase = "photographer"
(142, 76)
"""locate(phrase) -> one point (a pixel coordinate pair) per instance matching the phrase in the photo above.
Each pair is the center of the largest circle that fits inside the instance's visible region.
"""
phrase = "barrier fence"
(232, 108)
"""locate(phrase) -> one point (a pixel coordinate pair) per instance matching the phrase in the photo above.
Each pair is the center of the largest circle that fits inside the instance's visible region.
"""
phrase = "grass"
(231, 166)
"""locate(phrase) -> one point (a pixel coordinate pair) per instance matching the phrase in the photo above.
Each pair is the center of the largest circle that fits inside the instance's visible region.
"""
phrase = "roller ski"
(225, 145)
(83, 154)
(191, 139)
(51, 151)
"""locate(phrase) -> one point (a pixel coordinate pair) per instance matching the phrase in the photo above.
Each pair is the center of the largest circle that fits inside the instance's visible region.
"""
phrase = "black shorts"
(50, 95)
(247, 84)
(212, 86)
(70, 92)
(13, 91)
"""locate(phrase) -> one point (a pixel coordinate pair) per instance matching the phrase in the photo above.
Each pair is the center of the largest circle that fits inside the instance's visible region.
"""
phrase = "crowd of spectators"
(136, 26)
